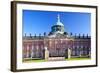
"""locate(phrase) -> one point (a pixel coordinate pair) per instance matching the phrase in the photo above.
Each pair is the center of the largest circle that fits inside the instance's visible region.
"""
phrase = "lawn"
(42, 60)
(32, 60)
(78, 59)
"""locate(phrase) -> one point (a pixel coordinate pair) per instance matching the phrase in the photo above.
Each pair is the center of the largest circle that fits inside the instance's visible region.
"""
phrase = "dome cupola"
(58, 27)
(59, 22)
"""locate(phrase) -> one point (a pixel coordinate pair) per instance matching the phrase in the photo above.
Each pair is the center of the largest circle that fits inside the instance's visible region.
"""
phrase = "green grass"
(78, 59)
(42, 60)
(32, 60)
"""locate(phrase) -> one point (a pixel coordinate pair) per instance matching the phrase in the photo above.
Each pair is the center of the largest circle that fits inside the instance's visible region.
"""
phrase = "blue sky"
(36, 22)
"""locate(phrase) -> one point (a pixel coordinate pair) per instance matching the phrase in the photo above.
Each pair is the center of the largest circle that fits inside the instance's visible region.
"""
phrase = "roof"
(58, 21)
(63, 36)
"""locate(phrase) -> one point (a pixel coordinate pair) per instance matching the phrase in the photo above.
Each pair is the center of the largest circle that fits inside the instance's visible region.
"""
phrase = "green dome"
(58, 27)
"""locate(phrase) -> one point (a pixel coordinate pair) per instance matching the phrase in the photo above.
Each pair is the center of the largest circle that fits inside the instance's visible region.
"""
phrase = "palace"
(57, 43)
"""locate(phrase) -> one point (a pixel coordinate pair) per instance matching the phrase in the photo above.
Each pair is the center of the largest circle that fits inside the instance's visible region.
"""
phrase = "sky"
(38, 22)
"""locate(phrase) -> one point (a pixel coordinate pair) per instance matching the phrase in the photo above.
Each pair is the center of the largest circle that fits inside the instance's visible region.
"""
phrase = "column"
(27, 51)
(80, 49)
(89, 53)
(69, 53)
(80, 52)
(37, 51)
(46, 52)
(24, 53)
(32, 52)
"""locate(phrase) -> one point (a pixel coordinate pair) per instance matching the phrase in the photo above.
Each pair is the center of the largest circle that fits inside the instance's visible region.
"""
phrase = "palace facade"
(58, 43)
